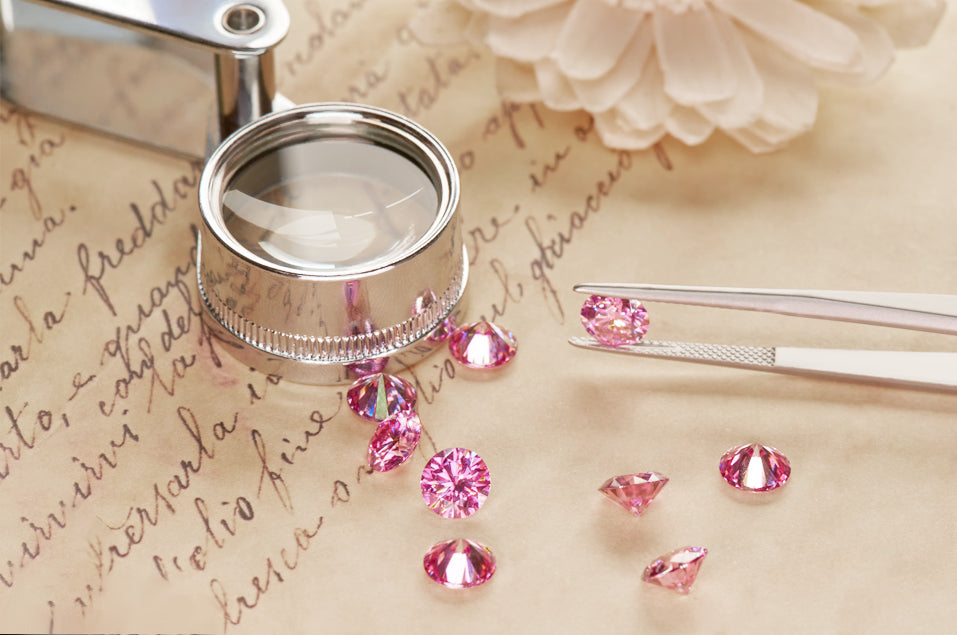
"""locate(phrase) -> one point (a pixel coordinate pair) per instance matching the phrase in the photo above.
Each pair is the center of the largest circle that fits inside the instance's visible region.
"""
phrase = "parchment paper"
(149, 482)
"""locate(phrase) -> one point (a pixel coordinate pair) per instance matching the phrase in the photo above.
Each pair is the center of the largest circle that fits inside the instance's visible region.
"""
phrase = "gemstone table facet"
(455, 483)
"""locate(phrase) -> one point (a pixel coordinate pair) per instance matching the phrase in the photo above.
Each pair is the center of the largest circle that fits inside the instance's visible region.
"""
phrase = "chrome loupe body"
(329, 241)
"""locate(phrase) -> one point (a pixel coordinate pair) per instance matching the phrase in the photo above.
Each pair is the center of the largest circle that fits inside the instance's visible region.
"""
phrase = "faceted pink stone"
(459, 563)
(482, 345)
(634, 492)
(394, 441)
(754, 468)
(676, 570)
(369, 366)
(379, 395)
(443, 331)
(614, 321)
(455, 483)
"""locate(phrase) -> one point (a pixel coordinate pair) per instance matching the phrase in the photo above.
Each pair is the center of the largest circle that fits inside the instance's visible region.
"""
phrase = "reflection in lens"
(330, 206)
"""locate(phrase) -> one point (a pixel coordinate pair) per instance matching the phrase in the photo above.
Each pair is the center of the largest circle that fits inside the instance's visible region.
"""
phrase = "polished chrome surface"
(912, 311)
(310, 326)
(170, 73)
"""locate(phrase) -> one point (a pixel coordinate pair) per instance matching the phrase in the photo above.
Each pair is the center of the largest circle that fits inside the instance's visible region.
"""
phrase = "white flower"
(647, 68)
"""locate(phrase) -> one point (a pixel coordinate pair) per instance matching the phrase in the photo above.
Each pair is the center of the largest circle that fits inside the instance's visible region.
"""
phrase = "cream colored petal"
(745, 106)
(513, 8)
(557, 93)
(527, 38)
(790, 94)
(594, 38)
(807, 34)
(646, 105)
(753, 141)
(909, 24)
(693, 56)
(440, 24)
(876, 45)
(516, 81)
(624, 137)
(687, 125)
(598, 95)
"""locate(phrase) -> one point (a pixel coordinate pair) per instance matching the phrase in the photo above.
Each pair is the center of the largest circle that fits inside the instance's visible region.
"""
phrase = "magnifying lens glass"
(329, 241)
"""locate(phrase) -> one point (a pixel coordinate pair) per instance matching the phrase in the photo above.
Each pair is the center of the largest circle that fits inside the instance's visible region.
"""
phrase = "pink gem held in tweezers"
(459, 563)
(394, 441)
(455, 483)
(482, 345)
(379, 395)
(754, 468)
(676, 570)
(614, 321)
(634, 492)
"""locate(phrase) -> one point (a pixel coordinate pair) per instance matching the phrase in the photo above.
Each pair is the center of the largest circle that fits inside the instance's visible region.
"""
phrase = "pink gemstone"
(634, 492)
(614, 321)
(394, 441)
(444, 329)
(755, 468)
(676, 570)
(459, 563)
(455, 483)
(369, 366)
(379, 395)
(482, 345)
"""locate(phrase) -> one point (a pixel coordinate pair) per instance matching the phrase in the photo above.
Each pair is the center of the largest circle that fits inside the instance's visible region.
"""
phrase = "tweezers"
(912, 311)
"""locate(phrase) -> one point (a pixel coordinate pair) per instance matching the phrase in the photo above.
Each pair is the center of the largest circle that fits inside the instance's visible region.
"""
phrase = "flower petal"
(557, 93)
(876, 46)
(807, 34)
(598, 95)
(687, 125)
(646, 105)
(694, 59)
(790, 94)
(516, 81)
(745, 106)
(512, 8)
(527, 38)
(909, 24)
(594, 38)
(616, 134)
(753, 141)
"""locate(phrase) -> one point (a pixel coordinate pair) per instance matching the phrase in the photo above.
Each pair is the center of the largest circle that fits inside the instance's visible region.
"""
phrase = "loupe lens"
(329, 206)
(330, 238)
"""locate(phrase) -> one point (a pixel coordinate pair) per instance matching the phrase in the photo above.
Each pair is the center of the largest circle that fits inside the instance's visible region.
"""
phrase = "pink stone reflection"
(482, 345)
(754, 468)
(614, 321)
(634, 492)
(676, 570)
(379, 395)
(455, 483)
(394, 441)
(459, 563)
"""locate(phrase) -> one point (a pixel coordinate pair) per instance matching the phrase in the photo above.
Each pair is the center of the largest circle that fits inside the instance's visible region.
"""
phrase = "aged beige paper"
(149, 482)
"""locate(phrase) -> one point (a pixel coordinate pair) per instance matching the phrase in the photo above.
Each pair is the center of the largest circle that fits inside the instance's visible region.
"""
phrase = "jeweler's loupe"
(329, 241)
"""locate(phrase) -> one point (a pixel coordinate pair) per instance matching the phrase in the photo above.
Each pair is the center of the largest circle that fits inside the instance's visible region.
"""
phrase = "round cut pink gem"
(676, 570)
(455, 483)
(394, 441)
(379, 395)
(459, 563)
(614, 321)
(482, 345)
(755, 468)
(634, 492)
